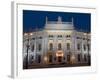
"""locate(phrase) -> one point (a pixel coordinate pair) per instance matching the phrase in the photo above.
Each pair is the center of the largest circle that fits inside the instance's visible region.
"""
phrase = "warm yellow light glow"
(45, 58)
(85, 33)
(72, 59)
(25, 34)
(31, 33)
(59, 32)
(59, 53)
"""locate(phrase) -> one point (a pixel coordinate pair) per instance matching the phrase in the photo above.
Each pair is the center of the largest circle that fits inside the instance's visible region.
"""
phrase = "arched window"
(59, 46)
(68, 36)
(51, 36)
(59, 35)
(68, 46)
(50, 46)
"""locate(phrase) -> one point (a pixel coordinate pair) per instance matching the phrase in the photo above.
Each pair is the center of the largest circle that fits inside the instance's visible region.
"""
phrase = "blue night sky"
(36, 19)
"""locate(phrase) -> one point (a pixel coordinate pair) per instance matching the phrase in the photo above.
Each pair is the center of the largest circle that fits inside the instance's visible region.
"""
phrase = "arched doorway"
(59, 56)
(49, 57)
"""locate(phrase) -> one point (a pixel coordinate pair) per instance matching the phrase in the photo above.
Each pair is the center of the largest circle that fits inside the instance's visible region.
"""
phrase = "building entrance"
(59, 56)
(50, 58)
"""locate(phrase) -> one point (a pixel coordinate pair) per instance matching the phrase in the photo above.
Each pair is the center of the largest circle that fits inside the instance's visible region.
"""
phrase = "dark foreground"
(33, 66)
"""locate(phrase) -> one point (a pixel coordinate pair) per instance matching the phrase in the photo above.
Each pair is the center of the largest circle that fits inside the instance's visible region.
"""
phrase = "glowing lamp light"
(31, 33)
(72, 59)
(25, 34)
(85, 34)
(59, 53)
(45, 58)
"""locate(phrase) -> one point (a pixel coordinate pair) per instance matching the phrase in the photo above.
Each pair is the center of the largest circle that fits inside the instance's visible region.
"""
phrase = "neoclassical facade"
(57, 43)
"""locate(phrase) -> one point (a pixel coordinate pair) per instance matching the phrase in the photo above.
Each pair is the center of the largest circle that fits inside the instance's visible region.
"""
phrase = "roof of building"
(58, 25)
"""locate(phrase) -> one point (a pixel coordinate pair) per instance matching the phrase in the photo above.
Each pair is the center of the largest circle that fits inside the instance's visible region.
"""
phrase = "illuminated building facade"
(57, 43)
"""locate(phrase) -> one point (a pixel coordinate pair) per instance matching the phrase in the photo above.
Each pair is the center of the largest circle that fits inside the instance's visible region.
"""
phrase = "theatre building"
(57, 43)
